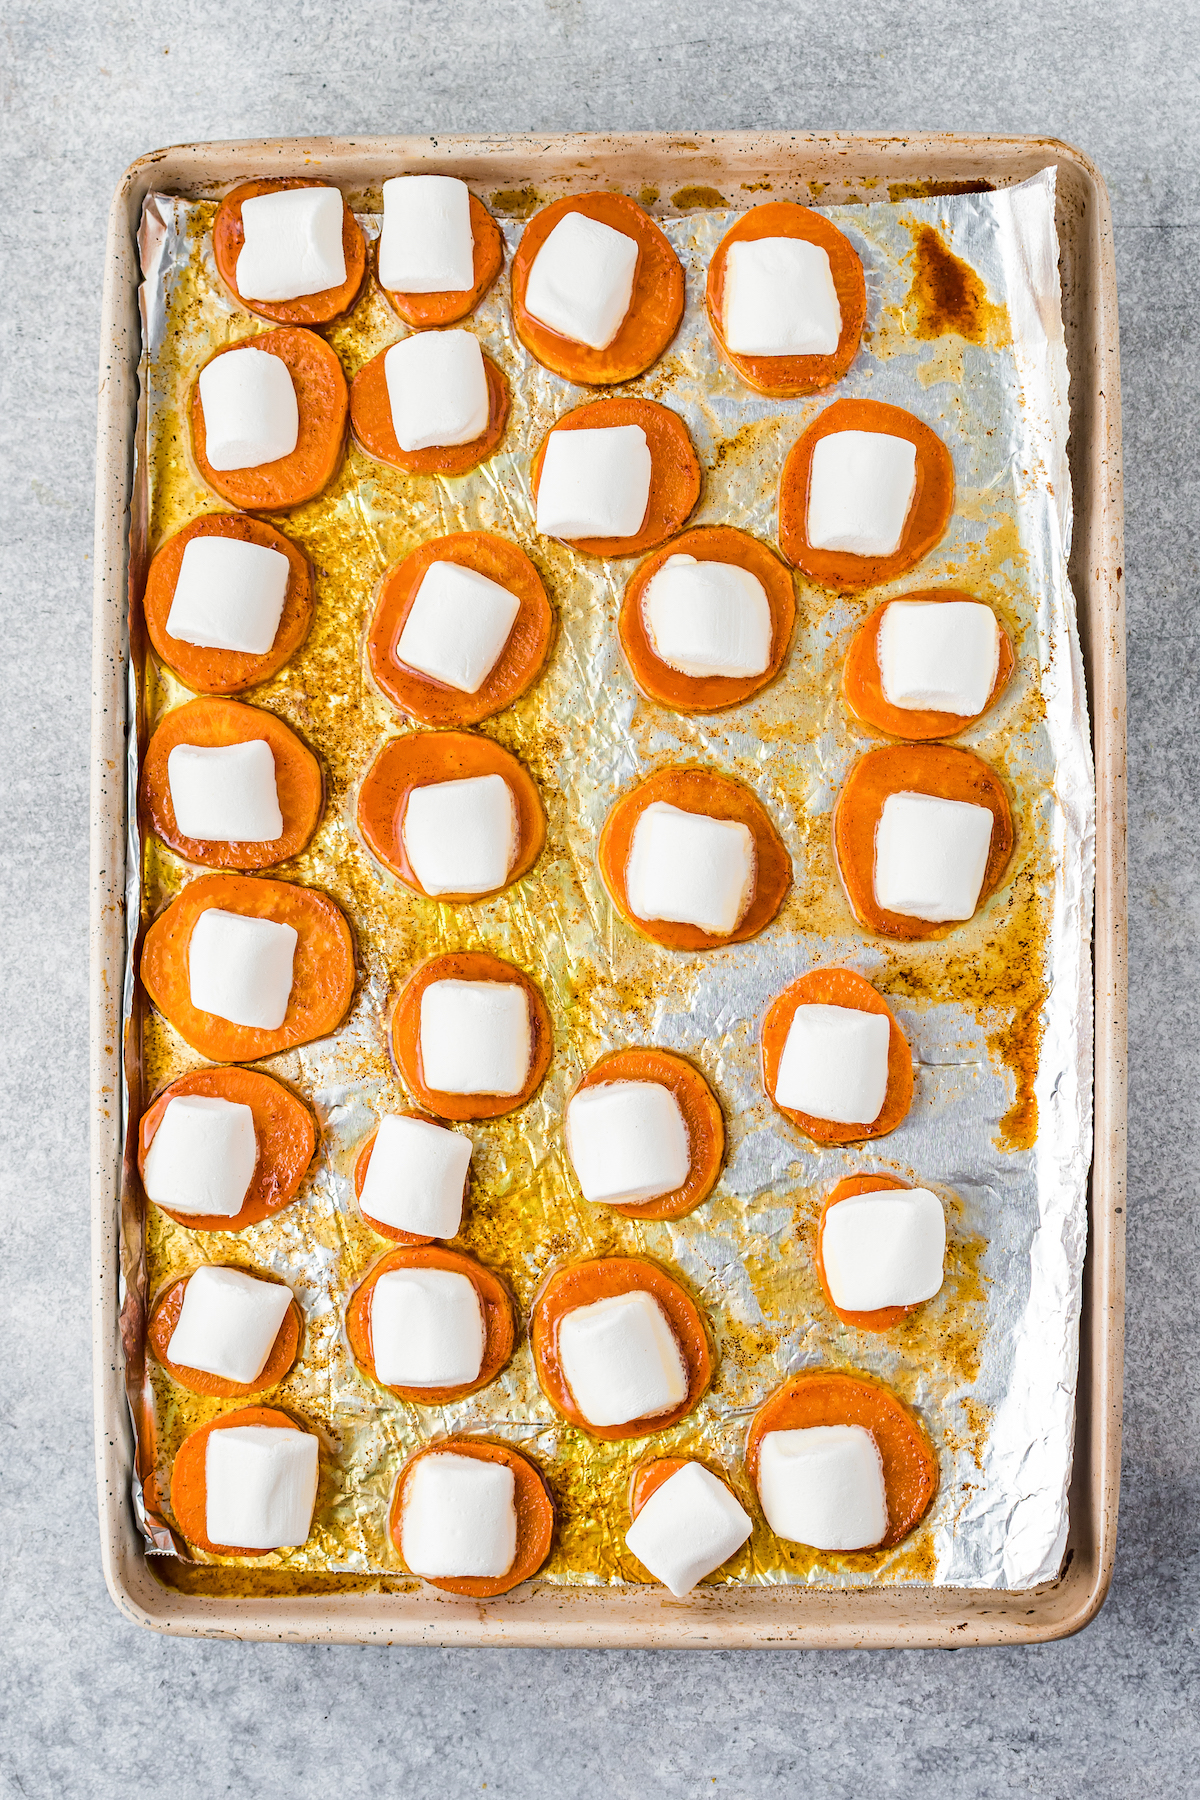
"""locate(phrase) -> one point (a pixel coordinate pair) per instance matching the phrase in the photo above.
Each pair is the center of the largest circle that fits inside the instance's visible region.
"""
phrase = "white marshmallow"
(835, 1064)
(884, 1249)
(426, 244)
(229, 595)
(240, 968)
(427, 1328)
(458, 624)
(708, 618)
(931, 856)
(416, 1177)
(260, 1486)
(780, 299)
(861, 487)
(594, 483)
(438, 389)
(938, 657)
(823, 1487)
(621, 1359)
(476, 1037)
(581, 282)
(228, 1323)
(459, 1517)
(689, 869)
(461, 836)
(225, 793)
(688, 1527)
(251, 415)
(293, 244)
(201, 1159)
(627, 1142)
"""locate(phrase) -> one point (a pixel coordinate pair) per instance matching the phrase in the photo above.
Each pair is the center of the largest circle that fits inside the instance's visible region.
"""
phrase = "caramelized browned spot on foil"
(946, 295)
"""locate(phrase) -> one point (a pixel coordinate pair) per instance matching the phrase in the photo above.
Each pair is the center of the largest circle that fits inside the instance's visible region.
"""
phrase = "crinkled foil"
(998, 1013)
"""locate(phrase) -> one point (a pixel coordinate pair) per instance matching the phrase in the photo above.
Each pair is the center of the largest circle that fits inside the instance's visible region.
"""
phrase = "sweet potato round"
(165, 1317)
(424, 310)
(879, 1318)
(701, 1116)
(674, 469)
(499, 1319)
(838, 987)
(189, 1491)
(371, 418)
(229, 236)
(535, 1516)
(467, 965)
(323, 402)
(363, 1162)
(862, 678)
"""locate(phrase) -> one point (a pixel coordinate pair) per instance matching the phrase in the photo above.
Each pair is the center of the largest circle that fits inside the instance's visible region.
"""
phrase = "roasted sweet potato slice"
(229, 236)
(838, 987)
(499, 1318)
(362, 1163)
(862, 678)
(879, 1318)
(674, 469)
(424, 310)
(467, 965)
(323, 402)
(535, 1516)
(189, 1493)
(165, 1317)
(701, 1116)
(371, 418)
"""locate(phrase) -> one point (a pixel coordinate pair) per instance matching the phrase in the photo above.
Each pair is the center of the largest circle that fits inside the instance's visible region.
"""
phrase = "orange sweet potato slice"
(838, 987)
(467, 965)
(535, 1516)
(674, 469)
(229, 236)
(371, 418)
(879, 1318)
(424, 310)
(701, 1116)
(499, 1319)
(322, 971)
(862, 678)
(362, 1164)
(165, 1317)
(648, 1477)
(323, 401)
(189, 1492)
(655, 306)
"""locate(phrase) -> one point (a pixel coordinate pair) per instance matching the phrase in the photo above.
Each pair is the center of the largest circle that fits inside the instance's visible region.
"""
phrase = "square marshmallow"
(859, 492)
(689, 869)
(594, 483)
(627, 1142)
(427, 1328)
(426, 245)
(229, 595)
(416, 1177)
(823, 1487)
(621, 1359)
(240, 968)
(938, 656)
(688, 1527)
(228, 1323)
(437, 388)
(260, 1486)
(459, 1517)
(835, 1064)
(251, 415)
(225, 793)
(931, 856)
(201, 1159)
(581, 282)
(457, 626)
(475, 1037)
(885, 1248)
(780, 299)
(461, 836)
(708, 618)
(293, 244)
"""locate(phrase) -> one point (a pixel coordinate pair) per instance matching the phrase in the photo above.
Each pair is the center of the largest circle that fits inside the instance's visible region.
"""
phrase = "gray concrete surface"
(88, 1705)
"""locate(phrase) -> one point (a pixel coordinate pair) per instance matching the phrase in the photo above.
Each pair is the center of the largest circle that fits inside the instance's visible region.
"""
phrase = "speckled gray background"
(88, 1705)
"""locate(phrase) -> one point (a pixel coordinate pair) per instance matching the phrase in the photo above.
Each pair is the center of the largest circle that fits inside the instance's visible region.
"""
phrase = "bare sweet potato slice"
(828, 1397)
(371, 418)
(499, 1319)
(937, 769)
(323, 402)
(363, 1162)
(209, 723)
(535, 1516)
(701, 1116)
(838, 987)
(862, 678)
(424, 310)
(879, 1318)
(928, 516)
(674, 469)
(720, 797)
(229, 236)
(165, 1317)
(655, 306)
(423, 758)
(322, 971)
(189, 1489)
(467, 965)
(582, 1284)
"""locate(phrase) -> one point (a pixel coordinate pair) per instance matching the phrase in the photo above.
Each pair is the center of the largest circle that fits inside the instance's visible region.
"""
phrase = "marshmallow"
(931, 856)
(438, 390)
(708, 618)
(293, 244)
(260, 1486)
(688, 1527)
(475, 1037)
(594, 483)
(225, 793)
(823, 1487)
(627, 1142)
(228, 1323)
(427, 1329)
(835, 1064)
(229, 595)
(459, 1517)
(426, 244)
(461, 836)
(457, 626)
(201, 1159)
(240, 968)
(689, 869)
(416, 1177)
(861, 487)
(621, 1359)
(884, 1248)
(780, 299)
(251, 416)
(938, 657)
(581, 281)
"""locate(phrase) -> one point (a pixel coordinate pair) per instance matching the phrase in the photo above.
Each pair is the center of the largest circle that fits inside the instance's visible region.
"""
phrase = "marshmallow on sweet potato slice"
(823, 1486)
(461, 836)
(427, 1329)
(931, 856)
(627, 1141)
(225, 792)
(229, 595)
(881, 1248)
(425, 244)
(457, 626)
(202, 1156)
(686, 1526)
(472, 1035)
(834, 1059)
(708, 618)
(290, 250)
(581, 280)
(432, 403)
(615, 477)
(863, 484)
(251, 415)
(260, 1486)
(413, 1177)
(472, 1516)
(268, 419)
(227, 1324)
(926, 666)
(241, 968)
